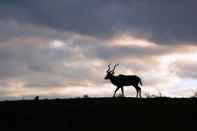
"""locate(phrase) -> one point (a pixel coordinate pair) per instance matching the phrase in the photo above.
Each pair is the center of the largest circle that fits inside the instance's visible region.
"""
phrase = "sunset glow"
(126, 40)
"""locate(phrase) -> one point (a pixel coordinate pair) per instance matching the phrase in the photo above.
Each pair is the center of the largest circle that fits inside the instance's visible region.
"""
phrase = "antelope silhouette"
(123, 80)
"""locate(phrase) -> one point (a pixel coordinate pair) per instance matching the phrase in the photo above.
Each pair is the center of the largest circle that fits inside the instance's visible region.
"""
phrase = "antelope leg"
(122, 89)
(115, 91)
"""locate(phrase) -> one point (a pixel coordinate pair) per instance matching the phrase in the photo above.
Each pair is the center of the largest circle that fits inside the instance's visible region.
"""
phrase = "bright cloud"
(57, 44)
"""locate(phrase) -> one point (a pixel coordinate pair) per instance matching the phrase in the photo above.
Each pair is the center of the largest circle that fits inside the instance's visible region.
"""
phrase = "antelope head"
(110, 73)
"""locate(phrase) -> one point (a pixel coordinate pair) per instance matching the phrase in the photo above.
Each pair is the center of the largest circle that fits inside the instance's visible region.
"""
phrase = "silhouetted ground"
(100, 114)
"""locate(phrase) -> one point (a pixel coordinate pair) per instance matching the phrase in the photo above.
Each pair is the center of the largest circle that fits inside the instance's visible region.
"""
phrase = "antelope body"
(123, 80)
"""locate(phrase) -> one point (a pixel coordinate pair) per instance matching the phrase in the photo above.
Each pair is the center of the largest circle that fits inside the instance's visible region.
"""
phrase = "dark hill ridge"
(100, 114)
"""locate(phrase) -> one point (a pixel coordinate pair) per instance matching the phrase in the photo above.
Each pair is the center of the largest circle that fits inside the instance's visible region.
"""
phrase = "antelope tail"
(140, 82)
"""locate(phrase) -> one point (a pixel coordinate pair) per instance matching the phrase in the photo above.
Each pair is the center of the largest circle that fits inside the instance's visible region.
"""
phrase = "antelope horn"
(108, 68)
(114, 68)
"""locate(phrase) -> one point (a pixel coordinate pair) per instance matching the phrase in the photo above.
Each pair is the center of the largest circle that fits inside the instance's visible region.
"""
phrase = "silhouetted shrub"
(85, 96)
(195, 94)
(36, 98)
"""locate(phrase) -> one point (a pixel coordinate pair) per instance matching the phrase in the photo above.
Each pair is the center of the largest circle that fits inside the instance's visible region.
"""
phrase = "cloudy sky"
(62, 48)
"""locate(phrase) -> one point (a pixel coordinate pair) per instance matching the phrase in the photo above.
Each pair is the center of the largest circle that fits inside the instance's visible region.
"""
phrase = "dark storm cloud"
(13, 29)
(161, 21)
